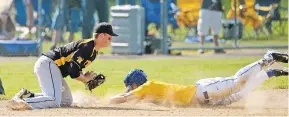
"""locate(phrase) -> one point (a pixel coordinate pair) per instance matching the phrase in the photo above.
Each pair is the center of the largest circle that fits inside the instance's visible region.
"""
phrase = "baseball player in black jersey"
(53, 66)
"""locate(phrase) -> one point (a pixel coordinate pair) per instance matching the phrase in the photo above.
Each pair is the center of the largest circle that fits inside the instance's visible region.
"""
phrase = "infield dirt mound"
(265, 102)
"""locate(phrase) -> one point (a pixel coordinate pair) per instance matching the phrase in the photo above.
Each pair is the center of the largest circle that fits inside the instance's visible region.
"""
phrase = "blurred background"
(29, 27)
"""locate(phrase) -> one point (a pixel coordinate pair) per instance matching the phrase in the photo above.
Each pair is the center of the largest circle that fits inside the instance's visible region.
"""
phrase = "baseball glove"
(95, 82)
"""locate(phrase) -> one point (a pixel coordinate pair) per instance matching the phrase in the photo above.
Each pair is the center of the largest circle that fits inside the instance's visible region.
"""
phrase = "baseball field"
(271, 98)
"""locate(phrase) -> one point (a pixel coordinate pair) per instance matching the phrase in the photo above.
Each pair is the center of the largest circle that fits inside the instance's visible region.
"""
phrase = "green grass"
(272, 40)
(18, 74)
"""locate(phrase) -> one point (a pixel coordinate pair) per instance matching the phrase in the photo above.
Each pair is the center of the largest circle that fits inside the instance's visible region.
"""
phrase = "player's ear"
(95, 35)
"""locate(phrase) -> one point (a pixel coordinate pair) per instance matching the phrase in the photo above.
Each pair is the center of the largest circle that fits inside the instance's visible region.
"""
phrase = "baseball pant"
(55, 91)
(224, 91)
(209, 20)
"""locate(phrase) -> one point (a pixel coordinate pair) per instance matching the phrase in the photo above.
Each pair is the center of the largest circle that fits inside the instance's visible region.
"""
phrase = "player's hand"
(88, 73)
(95, 81)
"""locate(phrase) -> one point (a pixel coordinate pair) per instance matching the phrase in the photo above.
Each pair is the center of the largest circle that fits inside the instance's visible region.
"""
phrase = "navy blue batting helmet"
(136, 76)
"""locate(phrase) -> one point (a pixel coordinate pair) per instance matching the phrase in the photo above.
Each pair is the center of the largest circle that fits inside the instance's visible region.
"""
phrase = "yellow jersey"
(167, 93)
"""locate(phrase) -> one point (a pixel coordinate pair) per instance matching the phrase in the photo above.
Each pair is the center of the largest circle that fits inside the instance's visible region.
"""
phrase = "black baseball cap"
(104, 27)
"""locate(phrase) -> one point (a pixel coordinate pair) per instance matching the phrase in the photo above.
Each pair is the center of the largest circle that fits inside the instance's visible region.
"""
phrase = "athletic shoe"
(273, 55)
(280, 57)
(23, 93)
(279, 72)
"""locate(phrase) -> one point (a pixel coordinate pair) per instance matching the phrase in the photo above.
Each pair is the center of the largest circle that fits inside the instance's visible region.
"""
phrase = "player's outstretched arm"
(84, 78)
(122, 98)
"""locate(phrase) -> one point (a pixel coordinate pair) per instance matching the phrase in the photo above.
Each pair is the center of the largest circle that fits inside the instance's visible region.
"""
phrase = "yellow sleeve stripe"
(92, 52)
(86, 41)
(63, 60)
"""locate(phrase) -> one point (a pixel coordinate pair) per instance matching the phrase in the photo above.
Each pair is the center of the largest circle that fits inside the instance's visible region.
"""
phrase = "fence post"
(164, 24)
(236, 25)
(39, 30)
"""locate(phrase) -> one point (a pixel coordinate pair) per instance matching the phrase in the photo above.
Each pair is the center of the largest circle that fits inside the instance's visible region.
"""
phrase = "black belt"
(206, 97)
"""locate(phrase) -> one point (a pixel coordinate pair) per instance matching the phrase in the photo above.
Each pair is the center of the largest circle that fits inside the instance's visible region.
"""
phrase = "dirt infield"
(265, 102)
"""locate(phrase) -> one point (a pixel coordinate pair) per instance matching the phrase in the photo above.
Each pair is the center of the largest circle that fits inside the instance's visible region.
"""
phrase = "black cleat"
(273, 55)
(280, 57)
(279, 72)
(23, 93)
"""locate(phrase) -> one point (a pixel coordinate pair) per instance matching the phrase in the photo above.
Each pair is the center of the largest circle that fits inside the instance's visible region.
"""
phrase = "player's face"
(105, 39)
(134, 86)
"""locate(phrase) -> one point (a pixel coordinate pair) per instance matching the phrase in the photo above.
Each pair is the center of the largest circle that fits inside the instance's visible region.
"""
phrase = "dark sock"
(32, 95)
(270, 73)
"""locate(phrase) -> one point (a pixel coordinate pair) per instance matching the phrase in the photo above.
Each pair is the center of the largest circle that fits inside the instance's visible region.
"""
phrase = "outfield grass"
(18, 74)
(274, 40)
